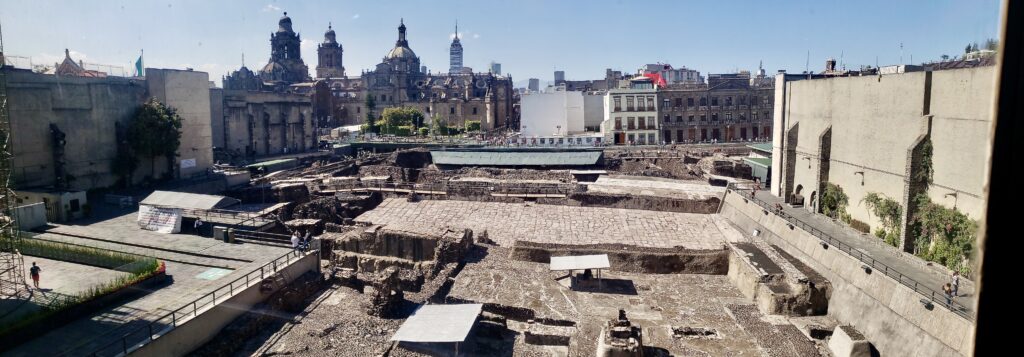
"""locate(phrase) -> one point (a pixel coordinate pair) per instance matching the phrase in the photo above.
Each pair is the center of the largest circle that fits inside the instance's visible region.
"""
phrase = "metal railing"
(152, 330)
(453, 187)
(936, 297)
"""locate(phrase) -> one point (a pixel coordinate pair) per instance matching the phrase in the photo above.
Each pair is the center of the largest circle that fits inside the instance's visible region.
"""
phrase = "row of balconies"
(713, 122)
(715, 107)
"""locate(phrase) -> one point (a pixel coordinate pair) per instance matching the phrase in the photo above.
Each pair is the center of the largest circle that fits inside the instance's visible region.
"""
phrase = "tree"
(371, 125)
(395, 117)
(945, 58)
(991, 44)
(967, 49)
(472, 125)
(439, 125)
(155, 131)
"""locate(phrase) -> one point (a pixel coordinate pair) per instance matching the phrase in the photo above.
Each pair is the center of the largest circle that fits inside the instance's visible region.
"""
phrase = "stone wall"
(265, 123)
(888, 313)
(188, 92)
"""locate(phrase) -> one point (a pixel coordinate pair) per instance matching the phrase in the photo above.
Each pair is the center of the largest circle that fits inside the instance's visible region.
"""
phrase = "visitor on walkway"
(948, 290)
(956, 282)
(295, 240)
(34, 272)
(197, 226)
(308, 240)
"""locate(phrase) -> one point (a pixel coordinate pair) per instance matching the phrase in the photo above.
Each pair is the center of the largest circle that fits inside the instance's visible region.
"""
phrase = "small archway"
(797, 199)
(813, 206)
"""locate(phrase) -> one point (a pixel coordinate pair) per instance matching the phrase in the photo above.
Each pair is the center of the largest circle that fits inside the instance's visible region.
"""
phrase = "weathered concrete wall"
(887, 312)
(876, 121)
(85, 109)
(961, 107)
(266, 123)
(217, 117)
(195, 332)
(30, 216)
(188, 92)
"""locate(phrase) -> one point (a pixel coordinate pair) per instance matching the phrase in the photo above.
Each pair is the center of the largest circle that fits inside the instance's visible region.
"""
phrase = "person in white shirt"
(295, 241)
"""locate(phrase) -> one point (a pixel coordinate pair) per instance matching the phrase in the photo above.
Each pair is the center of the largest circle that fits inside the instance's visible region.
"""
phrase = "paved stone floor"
(189, 262)
(506, 223)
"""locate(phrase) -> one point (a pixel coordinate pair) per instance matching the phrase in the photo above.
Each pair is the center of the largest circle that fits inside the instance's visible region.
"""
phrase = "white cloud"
(476, 35)
(271, 8)
(307, 44)
(356, 16)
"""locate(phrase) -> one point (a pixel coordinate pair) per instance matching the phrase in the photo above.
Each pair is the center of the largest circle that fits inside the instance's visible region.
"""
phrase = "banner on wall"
(160, 219)
(187, 163)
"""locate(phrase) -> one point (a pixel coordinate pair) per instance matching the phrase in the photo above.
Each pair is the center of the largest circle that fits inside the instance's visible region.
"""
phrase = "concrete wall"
(550, 113)
(593, 110)
(887, 312)
(188, 92)
(876, 121)
(217, 117)
(30, 216)
(193, 333)
(87, 110)
(265, 123)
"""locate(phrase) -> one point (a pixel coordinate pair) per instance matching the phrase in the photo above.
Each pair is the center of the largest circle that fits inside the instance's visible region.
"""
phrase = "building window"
(451, 110)
(753, 130)
(631, 123)
(742, 117)
(668, 136)
(679, 118)
(728, 116)
(714, 101)
(743, 100)
(629, 104)
(650, 103)
(642, 123)
(690, 118)
(728, 100)
(618, 123)
(689, 102)
(664, 104)
(650, 138)
(474, 110)
(703, 117)
(679, 102)
(753, 116)
(541, 140)
(714, 116)
(753, 100)
(766, 116)
(618, 104)
(358, 109)
(632, 138)
(703, 101)
(650, 120)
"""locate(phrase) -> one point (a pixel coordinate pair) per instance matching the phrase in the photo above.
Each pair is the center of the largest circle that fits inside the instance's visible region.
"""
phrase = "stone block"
(848, 342)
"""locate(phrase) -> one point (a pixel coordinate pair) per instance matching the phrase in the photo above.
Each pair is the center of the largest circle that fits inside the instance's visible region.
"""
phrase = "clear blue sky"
(530, 38)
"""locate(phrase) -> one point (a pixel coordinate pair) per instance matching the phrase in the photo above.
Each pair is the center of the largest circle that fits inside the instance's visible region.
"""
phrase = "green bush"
(943, 235)
(424, 131)
(472, 125)
(889, 212)
(858, 225)
(833, 201)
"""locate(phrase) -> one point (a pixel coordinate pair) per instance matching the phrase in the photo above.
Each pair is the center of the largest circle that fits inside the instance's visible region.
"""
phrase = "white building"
(631, 114)
(555, 117)
(672, 75)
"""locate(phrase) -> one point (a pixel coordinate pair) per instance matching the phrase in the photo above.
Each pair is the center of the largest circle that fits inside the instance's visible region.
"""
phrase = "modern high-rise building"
(455, 53)
(559, 77)
(534, 85)
(496, 68)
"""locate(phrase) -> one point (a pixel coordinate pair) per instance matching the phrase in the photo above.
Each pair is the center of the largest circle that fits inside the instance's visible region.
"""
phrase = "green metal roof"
(760, 161)
(766, 147)
(516, 158)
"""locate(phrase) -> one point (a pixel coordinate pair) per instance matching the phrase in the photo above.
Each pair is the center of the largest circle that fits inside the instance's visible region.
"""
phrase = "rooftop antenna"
(807, 65)
(841, 63)
(901, 52)
(243, 59)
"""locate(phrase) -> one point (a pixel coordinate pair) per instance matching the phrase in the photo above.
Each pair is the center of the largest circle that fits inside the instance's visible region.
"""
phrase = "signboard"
(159, 219)
(187, 163)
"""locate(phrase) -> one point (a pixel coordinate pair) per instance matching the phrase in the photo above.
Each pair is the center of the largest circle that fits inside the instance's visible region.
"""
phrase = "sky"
(530, 38)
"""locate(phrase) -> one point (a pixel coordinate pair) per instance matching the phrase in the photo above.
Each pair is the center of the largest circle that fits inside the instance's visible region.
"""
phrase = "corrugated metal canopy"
(766, 147)
(187, 200)
(516, 158)
(761, 161)
(439, 323)
(579, 262)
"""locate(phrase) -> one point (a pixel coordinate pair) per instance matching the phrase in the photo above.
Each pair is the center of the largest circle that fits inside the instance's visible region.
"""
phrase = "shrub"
(472, 125)
(424, 131)
(833, 200)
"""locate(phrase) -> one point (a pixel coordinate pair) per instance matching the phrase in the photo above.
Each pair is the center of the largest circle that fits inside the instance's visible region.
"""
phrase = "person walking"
(198, 226)
(948, 290)
(955, 283)
(34, 273)
(295, 240)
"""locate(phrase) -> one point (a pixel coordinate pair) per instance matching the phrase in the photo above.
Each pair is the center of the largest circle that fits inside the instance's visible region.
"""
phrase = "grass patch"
(138, 268)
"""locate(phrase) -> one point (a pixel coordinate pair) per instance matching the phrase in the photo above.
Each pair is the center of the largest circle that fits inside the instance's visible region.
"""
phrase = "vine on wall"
(943, 235)
(890, 213)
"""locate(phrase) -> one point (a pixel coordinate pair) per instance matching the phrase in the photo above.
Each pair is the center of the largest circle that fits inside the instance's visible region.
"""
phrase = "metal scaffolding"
(12, 270)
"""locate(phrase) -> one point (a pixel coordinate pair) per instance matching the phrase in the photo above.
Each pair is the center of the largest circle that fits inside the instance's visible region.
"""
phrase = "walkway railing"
(152, 330)
(936, 297)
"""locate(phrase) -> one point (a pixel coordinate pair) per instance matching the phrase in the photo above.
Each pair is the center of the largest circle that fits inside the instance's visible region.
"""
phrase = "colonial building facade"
(400, 81)
(730, 107)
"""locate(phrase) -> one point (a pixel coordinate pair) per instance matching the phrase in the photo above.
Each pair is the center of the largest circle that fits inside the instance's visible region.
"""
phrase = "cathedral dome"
(285, 24)
(329, 36)
(401, 52)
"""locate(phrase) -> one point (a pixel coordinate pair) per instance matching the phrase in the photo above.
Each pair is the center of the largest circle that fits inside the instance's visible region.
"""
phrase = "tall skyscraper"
(455, 52)
(534, 85)
(496, 68)
(559, 77)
